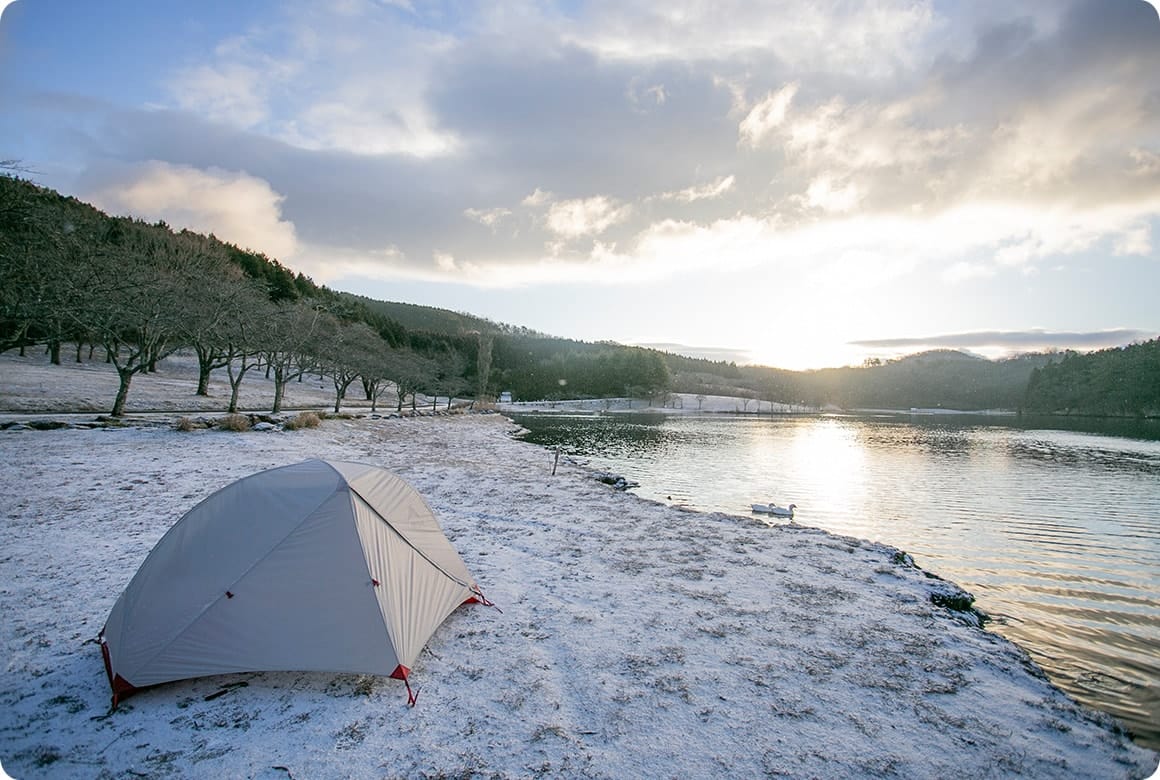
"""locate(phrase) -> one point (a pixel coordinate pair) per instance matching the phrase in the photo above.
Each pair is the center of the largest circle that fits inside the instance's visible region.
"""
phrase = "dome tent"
(317, 566)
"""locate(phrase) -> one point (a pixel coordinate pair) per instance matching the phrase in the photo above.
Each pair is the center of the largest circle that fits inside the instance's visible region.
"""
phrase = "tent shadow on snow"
(320, 566)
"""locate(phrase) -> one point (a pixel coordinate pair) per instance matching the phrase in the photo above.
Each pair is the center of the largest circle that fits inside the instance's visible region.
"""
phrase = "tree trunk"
(204, 367)
(54, 351)
(78, 352)
(280, 387)
(126, 377)
(279, 390)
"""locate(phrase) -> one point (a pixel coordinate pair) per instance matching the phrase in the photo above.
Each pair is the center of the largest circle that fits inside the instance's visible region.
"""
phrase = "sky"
(798, 184)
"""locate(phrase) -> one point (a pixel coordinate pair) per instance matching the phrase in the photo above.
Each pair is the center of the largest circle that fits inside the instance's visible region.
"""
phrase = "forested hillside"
(72, 275)
(1111, 382)
(939, 379)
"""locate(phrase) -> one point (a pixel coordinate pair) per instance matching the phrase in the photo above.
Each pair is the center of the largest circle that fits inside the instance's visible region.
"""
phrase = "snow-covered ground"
(676, 403)
(32, 384)
(636, 639)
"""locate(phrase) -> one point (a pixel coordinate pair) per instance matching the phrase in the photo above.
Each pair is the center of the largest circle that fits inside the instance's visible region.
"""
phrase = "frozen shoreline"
(631, 643)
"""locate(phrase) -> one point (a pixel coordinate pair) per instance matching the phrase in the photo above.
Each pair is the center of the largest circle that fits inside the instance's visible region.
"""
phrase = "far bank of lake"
(1053, 524)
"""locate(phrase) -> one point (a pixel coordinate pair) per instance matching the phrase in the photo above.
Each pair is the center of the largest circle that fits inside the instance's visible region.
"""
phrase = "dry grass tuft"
(234, 422)
(302, 420)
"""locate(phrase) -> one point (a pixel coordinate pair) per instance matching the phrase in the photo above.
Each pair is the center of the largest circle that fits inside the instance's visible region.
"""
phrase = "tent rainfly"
(319, 566)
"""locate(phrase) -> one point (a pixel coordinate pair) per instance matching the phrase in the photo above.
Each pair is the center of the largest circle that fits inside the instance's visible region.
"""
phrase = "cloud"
(586, 217)
(488, 217)
(537, 198)
(709, 191)
(351, 81)
(1059, 112)
(1016, 340)
(230, 91)
(764, 119)
(823, 194)
(854, 142)
(233, 205)
(839, 38)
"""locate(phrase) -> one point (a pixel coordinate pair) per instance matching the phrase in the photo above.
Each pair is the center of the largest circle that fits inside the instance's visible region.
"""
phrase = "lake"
(1056, 532)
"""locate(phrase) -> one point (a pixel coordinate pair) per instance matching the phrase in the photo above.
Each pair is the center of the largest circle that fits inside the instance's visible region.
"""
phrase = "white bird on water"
(775, 510)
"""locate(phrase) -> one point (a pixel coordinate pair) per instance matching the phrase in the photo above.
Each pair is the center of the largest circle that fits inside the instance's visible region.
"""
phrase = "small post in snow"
(556, 461)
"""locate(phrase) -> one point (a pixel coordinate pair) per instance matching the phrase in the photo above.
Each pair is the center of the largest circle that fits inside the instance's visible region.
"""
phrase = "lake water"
(1056, 532)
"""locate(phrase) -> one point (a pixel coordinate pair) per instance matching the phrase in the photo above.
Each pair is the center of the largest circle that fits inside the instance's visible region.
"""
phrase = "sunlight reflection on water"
(1057, 533)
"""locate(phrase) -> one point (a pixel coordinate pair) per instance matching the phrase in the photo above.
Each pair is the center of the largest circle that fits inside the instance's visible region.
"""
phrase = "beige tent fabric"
(318, 566)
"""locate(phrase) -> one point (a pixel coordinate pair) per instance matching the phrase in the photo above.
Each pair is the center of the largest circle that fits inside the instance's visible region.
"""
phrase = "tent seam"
(407, 541)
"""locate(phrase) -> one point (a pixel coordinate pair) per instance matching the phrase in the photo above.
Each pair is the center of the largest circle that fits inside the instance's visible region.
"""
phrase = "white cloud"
(644, 96)
(710, 191)
(369, 124)
(586, 217)
(1147, 162)
(488, 217)
(767, 116)
(236, 88)
(823, 194)
(233, 205)
(875, 39)
(828, 263)
(866, 136)
(354, 81)
(1134, 240)
(538, 198)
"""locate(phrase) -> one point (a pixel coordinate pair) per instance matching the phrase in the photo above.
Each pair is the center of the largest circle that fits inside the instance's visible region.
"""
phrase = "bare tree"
(214, 306)
(242, 333)
(350, 351)
(139, 296)
(410, 372)
(45, 241)
(288, 348)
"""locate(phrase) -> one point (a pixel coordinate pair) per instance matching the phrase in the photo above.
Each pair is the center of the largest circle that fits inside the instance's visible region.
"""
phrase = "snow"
(675, 404)
(635, 639)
